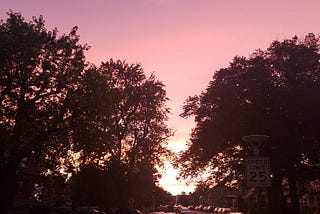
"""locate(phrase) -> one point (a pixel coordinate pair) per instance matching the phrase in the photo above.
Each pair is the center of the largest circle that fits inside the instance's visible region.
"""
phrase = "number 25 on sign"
(257, 171)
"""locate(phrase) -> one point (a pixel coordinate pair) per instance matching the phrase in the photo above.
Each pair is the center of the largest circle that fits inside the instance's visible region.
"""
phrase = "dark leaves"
(274, 92)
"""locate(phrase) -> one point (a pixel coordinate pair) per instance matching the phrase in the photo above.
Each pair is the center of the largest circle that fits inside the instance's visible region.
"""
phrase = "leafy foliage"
(38, 70)
(119, 128)
(59, 111)
(273, 92)
(137, 123)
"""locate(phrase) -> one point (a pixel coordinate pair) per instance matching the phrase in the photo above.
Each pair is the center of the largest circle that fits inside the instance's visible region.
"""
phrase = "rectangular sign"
(258, 171)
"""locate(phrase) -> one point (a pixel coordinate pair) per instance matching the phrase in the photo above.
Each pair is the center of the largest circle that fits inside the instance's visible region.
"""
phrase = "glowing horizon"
(170, 183)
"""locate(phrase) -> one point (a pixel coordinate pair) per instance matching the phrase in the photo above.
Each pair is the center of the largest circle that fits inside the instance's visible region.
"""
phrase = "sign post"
(257, 168)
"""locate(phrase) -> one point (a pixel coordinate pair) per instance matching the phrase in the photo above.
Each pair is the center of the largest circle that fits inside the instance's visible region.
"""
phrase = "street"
(186, 211)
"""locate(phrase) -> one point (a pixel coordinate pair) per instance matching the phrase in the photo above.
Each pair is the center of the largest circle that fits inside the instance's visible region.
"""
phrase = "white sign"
(258, 171)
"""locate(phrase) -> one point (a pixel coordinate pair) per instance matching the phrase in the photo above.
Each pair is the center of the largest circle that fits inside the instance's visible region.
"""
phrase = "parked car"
(222, 210)
(200, 207)
(191, 207)
(210, 209)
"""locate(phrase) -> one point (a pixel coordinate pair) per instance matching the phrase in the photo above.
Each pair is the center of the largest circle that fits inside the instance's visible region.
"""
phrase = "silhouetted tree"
(38, 71)
(96, 186)
(58, 111)
(137, 128)
(91, 186)
(273, 92)
(201, 191)
(92, 107)
(118, 125)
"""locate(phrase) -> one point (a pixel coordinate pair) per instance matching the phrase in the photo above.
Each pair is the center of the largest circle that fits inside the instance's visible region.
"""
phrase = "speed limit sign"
(257, 171)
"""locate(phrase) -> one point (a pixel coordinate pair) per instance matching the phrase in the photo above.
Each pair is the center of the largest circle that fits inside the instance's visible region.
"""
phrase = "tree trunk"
(123, 199)
(275, 197)
(9, 187)
(293, 193)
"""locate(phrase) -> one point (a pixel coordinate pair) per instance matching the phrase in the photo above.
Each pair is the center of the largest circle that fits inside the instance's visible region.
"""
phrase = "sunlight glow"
(171, 184)
(178, 146)
(169, 179)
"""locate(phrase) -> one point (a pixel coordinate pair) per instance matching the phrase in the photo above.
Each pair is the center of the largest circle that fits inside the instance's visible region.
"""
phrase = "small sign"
(258, 171)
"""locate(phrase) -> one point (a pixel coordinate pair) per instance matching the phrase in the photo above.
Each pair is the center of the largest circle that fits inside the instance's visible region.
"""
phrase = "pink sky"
(182, 41)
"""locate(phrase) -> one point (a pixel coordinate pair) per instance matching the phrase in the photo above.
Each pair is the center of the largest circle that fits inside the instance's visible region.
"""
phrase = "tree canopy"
(38, 70)
(127, 129)
(273, 92)
(59, 110)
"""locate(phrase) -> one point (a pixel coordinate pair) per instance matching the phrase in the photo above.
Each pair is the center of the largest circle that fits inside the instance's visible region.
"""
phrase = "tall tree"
(138, 130)
(119, 126)
(38, 71)
(56, 108)
(273, 92)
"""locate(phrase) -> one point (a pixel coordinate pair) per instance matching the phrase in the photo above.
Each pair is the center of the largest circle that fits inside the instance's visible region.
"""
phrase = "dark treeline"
(59, 113)
(275, 93)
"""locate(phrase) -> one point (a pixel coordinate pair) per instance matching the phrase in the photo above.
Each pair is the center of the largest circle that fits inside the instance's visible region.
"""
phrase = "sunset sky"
(182, 41)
